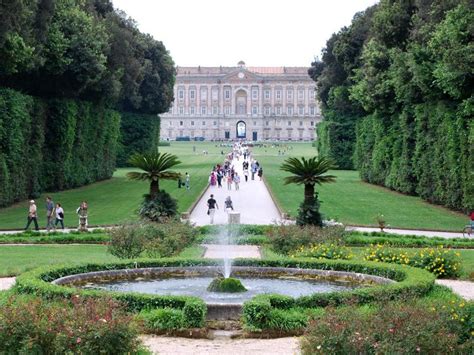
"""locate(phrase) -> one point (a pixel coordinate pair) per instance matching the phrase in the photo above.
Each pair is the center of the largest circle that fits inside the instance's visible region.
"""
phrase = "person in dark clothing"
(212, 205)
(32, 216)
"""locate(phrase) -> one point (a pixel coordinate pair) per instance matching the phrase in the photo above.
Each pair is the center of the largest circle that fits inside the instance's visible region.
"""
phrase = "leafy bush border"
(412, 282)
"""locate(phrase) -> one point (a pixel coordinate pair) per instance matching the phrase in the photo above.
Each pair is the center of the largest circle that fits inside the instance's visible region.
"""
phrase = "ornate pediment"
(241, 75)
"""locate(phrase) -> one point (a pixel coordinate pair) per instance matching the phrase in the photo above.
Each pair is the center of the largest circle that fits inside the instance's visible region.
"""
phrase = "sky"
(259, 32)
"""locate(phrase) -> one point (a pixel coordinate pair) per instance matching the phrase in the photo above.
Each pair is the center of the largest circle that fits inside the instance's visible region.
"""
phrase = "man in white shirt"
(32, 215)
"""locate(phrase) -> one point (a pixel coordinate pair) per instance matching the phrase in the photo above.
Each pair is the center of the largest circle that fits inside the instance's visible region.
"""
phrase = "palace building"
(252, 103)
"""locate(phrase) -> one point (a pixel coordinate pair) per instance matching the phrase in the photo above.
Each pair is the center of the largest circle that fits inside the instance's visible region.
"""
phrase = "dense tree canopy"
(396, 89)
(83, 49)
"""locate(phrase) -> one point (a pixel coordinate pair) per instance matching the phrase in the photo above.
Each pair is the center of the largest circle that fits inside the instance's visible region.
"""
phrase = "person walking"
(187, 181)
(82, 213)
(228, 204)
(260, 173)
(236, 181)
(211, 207)
(49, 213)
(229, 181)
(246, 174)
(219, 177)
(59, 216)
(32, 215)
(213, 178)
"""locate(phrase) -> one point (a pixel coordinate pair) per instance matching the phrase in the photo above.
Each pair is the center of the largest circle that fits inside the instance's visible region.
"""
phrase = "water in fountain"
(226, 237)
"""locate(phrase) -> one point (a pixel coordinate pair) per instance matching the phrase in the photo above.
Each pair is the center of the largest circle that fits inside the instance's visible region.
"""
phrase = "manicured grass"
(352, 201)
(116, 200)
(15, 260)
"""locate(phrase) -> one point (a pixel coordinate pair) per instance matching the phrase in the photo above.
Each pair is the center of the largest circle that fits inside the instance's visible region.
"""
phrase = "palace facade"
(252, 103)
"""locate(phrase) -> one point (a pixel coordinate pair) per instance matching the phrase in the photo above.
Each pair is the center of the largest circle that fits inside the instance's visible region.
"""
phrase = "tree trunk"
(308, 193)
(154, 189)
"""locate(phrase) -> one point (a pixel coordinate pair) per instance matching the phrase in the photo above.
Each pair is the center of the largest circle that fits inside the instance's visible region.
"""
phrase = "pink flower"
(391, 330)
(78, 340)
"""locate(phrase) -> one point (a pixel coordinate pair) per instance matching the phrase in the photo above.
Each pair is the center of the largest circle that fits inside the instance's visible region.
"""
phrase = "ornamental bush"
(392, 328)
(227, 285)
(81, 326)
(285, 239)
(162, 319)
(324, 251)
(159, 209)
(441, 262)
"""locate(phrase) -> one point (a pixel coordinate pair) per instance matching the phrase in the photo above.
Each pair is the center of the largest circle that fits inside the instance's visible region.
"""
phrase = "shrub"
(195, 311)
(87, 326)
(393, 328)
(155, 239)
(127, 241)
(162, 319)
(308, 213)
(324, 251)
(159, 209)
(439, 261)
(287, 238)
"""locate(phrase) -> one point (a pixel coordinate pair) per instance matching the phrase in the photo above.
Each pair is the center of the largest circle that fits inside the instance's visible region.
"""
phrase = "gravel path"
(465, 289)
(182, 346)
(6, 283)
(252, 201)
(424, 233)
(215, 251)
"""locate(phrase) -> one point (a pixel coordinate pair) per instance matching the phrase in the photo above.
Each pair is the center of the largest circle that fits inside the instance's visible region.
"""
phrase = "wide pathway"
(252, 201)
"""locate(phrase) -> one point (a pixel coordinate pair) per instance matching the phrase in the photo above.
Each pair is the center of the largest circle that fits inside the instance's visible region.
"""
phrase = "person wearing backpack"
(59, 216)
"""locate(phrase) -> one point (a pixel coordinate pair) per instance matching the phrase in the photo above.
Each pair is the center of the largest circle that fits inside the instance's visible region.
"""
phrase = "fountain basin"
(193, 281)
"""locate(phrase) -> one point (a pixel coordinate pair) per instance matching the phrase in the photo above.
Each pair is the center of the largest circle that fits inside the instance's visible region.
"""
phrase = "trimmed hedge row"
(411, 282)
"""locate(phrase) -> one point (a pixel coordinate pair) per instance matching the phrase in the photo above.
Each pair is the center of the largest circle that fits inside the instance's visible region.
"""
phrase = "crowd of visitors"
(226, 173)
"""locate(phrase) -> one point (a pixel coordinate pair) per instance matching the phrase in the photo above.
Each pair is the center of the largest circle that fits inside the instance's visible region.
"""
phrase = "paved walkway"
(252, 201)
(465, 289)
(424, 233)
(6, 283)
(182, 346)
(216, 251)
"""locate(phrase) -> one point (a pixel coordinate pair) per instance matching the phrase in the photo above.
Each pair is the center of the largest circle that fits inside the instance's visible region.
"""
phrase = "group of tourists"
(55, 215)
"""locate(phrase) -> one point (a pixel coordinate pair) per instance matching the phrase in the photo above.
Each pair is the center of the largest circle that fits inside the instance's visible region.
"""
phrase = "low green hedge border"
(412, 282)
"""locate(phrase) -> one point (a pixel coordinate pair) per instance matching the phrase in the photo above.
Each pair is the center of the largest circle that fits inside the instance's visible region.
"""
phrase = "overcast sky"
(259, 32)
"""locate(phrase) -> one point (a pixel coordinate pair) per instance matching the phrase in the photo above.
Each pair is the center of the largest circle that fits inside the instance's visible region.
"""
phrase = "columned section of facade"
(253, 103)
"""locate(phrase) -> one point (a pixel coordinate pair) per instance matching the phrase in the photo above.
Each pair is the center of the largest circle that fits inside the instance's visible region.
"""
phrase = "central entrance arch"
(241, 130)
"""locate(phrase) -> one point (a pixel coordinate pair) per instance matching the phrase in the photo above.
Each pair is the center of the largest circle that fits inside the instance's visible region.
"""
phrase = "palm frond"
(154, 164)
(308, 171)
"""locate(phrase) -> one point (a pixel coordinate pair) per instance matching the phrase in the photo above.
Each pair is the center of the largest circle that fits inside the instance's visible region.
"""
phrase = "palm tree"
(308, 172)
(155, 166)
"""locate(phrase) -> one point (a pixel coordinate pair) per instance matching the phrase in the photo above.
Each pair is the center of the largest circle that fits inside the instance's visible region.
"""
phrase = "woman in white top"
(59, 216)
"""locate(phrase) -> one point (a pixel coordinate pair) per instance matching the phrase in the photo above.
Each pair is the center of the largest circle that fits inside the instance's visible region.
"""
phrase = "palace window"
(289, 94)
(254, 93)
(312, 123)
(289, 110)
(181, 94)
(254, 110)
(254, 123)
(171, 123)
(192, 123)
(227, 110)
(215, 123)
(203, 110)
(267, 123)
(311, 93)
(278, 110)
(267, 110)
(180, 123)
(301, 110)
(312, 110)
(289, 123)
(203, 93)
(214, 110)
(192, 94)
(227, 94)
(215, 94)
(192, 110)
(301, 123)
(301, 94)
(267, 94)
(203, 123)
(278, 94)
(181, 110)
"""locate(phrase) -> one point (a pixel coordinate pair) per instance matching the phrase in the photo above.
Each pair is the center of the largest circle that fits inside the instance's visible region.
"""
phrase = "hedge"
(411, 282)
(138, 134)
(50, 145)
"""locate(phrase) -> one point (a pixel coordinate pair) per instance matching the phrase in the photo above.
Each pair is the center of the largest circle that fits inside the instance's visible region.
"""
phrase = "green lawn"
(352, 201)
(116, 200)
(349, 200)
(15, 260)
